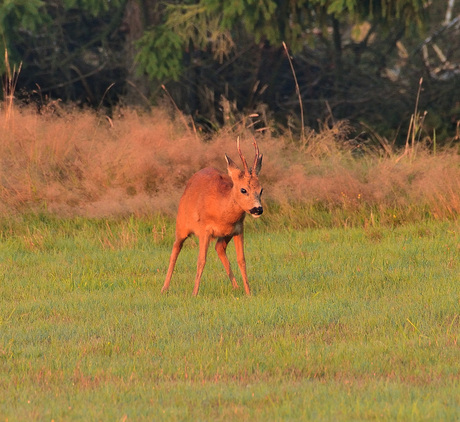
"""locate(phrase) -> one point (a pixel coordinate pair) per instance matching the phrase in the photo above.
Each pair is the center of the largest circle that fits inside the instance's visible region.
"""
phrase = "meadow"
(343, 324)
(353, 268)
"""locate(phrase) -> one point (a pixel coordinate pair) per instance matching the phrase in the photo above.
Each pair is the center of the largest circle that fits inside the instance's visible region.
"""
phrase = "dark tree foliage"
(355, 60)
(70, 50)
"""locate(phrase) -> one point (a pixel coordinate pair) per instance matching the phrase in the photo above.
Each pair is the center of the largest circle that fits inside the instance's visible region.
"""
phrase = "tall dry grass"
(77, 162)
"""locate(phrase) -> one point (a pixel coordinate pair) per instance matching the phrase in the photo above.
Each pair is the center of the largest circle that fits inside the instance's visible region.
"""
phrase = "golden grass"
(80, 163)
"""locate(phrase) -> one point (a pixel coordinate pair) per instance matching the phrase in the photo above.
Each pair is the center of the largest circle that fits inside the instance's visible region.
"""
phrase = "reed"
(9, 83)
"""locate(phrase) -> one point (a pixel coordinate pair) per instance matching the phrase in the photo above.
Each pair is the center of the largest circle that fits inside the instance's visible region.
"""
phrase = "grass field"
(343, 324)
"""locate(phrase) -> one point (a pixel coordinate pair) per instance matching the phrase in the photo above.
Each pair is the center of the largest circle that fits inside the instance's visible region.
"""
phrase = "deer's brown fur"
(213, 206)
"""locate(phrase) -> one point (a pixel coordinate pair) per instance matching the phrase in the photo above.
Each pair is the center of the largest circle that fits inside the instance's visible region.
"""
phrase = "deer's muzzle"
(256, 211)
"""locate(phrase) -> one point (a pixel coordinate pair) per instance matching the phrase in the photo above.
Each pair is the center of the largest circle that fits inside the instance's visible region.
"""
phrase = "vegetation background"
(83, 163)
(353, 268)
(359, 61)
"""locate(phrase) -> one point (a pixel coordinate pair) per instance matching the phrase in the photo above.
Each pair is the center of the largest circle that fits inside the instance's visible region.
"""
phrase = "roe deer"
(214, 205)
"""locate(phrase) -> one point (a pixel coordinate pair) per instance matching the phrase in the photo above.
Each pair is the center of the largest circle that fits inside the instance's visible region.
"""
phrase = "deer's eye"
(244, 191)
(260, 194)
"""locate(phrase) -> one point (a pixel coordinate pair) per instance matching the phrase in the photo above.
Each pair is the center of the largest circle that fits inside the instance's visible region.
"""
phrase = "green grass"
(343, 324)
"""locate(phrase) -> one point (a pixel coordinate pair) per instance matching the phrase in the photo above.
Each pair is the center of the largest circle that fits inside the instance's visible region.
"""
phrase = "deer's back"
(206, 204)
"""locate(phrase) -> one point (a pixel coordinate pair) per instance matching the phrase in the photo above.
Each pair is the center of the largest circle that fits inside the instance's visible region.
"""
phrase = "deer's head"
(246, 189)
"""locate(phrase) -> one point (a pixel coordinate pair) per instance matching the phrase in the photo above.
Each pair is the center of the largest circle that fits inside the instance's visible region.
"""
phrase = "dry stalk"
(9, 86)
(298, 93)
(415, 128)
(180, 113)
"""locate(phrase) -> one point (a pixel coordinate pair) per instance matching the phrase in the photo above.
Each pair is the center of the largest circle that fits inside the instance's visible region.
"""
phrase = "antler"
(256, 147)
(245, 164)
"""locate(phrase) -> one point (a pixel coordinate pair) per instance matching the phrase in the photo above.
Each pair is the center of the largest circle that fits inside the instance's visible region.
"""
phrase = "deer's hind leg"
(204, 240)
(221, 249)
(172, 260)
(239, 246)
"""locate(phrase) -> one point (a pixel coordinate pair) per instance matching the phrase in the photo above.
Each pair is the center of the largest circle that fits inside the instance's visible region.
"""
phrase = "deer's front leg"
(239, 246)
(221, 248)
(204, 244)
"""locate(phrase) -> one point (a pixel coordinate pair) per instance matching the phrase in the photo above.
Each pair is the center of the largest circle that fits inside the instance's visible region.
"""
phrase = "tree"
(234, 48)
(358, 60)
(217, 26)
(68, 47)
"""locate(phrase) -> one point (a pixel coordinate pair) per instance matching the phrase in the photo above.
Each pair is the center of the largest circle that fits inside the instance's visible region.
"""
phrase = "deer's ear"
(258, 164)
(232, 168)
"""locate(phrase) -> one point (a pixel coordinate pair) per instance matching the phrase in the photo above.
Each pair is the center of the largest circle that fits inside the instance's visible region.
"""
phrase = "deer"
(213, 206)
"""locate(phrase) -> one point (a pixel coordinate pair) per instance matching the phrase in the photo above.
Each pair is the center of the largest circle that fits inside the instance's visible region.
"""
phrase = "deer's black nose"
(256, 210)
